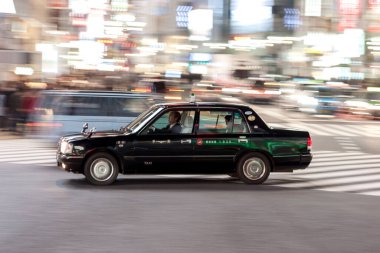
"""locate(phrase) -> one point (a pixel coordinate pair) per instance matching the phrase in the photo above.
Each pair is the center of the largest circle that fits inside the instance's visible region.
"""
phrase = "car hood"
(96, 135)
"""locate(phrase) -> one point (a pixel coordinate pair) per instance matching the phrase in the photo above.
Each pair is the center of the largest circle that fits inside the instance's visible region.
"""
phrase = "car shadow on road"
(192, 183)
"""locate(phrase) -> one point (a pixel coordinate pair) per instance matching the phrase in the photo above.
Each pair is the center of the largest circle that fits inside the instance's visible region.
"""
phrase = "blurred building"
(329, 40)
(21, 28)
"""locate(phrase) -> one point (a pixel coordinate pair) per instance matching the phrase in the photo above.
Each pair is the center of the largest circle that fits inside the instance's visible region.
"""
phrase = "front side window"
(216, 122)
(172, 122)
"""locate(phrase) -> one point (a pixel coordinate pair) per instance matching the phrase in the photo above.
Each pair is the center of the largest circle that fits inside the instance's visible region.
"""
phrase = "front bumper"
(70, 163)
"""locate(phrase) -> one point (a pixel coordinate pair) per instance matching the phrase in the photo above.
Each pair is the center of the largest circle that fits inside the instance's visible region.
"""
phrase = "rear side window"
(221, 122)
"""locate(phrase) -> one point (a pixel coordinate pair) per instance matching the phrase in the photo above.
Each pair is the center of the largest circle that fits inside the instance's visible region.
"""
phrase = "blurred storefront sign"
(200, 24)
(57, 3)
(292, 18)
(119, 5)
(7, 6)
(313, 8)
(182, 15)
(351, 43)
(24, 71)
(373, 12)
(49, 57)
(251, 16)
(349, 14)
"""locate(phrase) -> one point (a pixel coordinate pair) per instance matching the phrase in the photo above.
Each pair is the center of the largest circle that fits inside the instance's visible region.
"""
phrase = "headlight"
(66, 147)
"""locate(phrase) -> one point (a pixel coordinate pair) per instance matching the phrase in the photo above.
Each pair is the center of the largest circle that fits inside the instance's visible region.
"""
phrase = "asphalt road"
(48, 210)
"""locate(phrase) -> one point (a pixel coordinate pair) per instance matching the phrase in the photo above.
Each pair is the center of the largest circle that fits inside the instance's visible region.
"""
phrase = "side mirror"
(85, 127)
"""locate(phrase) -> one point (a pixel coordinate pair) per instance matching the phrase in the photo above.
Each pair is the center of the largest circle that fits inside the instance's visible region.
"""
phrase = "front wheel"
(253, 168)
(101, 169)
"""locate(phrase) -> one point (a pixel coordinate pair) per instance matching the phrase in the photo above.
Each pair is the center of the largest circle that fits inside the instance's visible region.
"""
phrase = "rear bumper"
(70, 163)
(288, 164)
(305, 160)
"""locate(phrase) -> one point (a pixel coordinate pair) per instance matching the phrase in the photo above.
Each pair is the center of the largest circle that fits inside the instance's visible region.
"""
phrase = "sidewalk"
(6, 135)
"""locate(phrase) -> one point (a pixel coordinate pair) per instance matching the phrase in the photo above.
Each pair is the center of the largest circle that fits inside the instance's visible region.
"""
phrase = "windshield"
(135, 124)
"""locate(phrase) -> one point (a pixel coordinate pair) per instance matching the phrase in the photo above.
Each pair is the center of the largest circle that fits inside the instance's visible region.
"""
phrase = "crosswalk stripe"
(310, 129)
(347, 157)
(364, 130)
(29, 158)
(335, 182)
(335, 155)
(331, 163)
(334, 129)
(374, 128)
(322, 170)
(342, 130)
(16, 153)
(345, 142)
(36, 161)
(328, 128)
(345, 130)
(374, 192)
(323, 152)
(344, 173)
(351, 148)
(365, 184)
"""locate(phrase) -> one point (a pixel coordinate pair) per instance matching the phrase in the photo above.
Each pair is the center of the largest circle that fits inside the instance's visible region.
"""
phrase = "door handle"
(188, 141)
(161, 141)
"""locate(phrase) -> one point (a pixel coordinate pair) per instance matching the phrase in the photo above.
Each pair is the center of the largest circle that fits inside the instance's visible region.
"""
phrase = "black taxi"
(187, 138)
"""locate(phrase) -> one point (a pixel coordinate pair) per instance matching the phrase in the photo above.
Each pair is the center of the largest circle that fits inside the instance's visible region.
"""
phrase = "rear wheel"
(101, 169)
(253, 168)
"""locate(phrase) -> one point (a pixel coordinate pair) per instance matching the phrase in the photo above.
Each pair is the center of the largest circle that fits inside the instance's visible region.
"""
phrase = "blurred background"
(317, 57)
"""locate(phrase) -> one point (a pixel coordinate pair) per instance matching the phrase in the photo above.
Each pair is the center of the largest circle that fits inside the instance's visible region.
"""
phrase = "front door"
(166, 145)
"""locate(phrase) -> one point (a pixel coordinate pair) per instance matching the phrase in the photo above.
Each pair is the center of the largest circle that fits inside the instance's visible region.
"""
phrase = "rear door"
(218, 142)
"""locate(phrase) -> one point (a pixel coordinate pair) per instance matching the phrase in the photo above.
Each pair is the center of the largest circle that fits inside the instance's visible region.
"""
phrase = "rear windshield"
(122, 106)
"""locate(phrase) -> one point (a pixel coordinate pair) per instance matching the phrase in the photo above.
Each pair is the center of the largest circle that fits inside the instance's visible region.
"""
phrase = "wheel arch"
(245, 152)
(108, 151)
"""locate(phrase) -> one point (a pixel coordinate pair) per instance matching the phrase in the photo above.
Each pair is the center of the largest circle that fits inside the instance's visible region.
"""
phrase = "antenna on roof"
(192, 98)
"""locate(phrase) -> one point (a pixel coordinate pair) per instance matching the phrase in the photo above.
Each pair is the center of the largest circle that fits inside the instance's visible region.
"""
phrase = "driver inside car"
(173, 127)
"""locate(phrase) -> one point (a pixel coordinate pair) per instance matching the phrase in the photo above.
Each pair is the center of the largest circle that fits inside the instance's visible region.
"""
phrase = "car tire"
(101, 169)
(253, 168)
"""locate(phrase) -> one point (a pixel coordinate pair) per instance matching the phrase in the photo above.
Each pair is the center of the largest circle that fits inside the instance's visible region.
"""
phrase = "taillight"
(309, 143)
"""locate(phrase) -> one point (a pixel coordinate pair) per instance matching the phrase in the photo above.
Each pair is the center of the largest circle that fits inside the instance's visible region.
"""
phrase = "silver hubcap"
(101, 169)
(254, 168)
